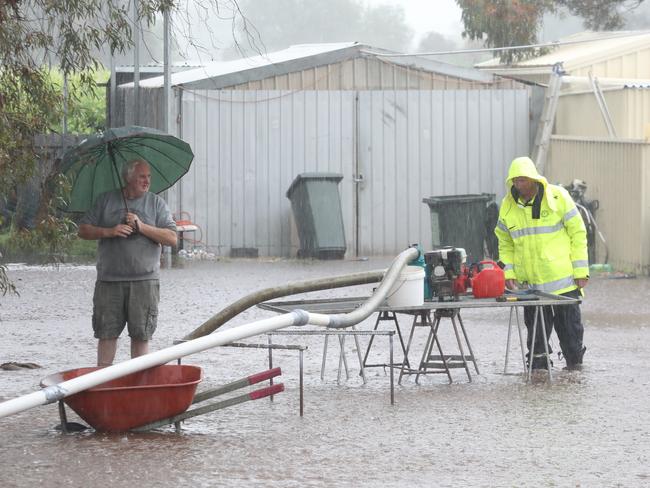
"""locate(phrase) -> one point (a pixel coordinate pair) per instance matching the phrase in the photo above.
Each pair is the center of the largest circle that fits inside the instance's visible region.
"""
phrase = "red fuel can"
(489, 281)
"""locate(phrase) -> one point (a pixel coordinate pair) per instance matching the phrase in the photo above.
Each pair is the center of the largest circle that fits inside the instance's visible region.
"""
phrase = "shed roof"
(575, 51)
(156, 67)
(222, 74)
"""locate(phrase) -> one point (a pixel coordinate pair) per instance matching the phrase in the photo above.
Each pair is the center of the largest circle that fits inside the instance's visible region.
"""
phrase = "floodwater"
(586, 429)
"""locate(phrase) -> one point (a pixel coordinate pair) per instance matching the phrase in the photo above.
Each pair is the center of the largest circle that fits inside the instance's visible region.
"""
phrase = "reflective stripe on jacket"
(549, 252)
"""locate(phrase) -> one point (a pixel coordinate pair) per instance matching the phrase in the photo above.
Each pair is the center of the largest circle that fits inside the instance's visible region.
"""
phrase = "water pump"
(444, 266)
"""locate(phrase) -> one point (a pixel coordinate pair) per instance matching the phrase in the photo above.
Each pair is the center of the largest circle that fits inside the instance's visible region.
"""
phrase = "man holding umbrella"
(131, 225)
(115, 177)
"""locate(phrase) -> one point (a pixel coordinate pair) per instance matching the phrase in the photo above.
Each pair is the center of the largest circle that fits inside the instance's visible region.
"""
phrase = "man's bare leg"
(106, 351)
(139, 348)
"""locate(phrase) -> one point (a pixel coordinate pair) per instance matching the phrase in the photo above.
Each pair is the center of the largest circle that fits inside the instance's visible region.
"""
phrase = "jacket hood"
(524, 166)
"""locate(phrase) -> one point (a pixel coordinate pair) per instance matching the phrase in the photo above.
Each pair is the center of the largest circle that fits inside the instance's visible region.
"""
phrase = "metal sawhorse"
(386, 316)
(440, 363)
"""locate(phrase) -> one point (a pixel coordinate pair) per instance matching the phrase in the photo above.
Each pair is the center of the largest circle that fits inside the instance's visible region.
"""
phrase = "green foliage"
(74, 249)
(503, 23)
(86, 104)
(53, 233)
(80, 248)
(51, 237)
(6, 286)
(27, 106)
(34, 36)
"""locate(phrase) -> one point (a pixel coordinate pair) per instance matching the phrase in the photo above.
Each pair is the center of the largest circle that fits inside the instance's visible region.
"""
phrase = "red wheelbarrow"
(152, 398)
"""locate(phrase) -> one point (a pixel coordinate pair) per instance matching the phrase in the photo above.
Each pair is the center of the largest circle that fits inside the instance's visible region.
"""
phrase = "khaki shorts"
(118, 303)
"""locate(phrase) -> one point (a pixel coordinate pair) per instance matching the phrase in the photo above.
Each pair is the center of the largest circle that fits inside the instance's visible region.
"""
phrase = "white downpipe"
(61, 390)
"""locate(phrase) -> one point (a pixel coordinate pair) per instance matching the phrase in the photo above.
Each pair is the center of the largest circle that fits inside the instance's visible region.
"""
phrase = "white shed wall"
(578, 114)
(392, 147)
(632, 63)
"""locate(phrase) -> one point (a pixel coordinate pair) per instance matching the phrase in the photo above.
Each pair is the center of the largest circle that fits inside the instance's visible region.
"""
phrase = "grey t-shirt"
(136, 257)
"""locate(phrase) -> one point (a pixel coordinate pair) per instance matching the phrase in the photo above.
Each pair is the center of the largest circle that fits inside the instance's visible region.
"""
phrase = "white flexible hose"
(61, 390)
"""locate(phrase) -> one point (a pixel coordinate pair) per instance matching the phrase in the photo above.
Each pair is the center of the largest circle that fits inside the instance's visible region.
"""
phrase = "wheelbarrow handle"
(236, 385)
(266, 391)
(254, 395)
(264, 375)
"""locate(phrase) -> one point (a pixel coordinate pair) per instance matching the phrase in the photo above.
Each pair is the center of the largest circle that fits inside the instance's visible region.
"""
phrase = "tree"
(436, 42)
(282, 23)
(502, 23)
(86, 110)
(37, 37)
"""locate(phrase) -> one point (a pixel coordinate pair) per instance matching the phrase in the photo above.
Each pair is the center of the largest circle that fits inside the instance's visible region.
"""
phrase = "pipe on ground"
(260, 296)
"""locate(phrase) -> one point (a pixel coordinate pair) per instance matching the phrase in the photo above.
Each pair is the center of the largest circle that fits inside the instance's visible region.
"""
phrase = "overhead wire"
(383, 55)
(507, 48)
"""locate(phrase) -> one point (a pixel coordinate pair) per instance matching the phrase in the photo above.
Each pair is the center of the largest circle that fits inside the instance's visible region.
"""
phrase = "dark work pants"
(567, 323)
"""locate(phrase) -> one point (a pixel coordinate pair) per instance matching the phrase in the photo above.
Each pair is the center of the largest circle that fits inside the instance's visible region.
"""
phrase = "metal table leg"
(302, 398)
(539, 313)
(469, 345)
(342, 360)
(362, 371)
(548, 356)
(460, 347)
(521, 339)
(392, 373)
(505, 365)
(322, 367)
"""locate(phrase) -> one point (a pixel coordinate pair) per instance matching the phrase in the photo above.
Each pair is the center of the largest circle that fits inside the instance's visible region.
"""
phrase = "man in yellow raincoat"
(543, 245)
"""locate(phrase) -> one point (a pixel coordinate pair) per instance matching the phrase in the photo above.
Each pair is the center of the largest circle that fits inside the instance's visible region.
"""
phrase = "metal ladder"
(602, 105)
(547, 119)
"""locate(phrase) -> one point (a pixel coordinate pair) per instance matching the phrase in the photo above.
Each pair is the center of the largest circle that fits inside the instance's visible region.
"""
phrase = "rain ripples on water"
(586, 428)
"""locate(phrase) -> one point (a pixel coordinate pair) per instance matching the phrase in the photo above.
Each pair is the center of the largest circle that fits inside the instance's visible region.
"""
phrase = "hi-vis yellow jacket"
(547, 252)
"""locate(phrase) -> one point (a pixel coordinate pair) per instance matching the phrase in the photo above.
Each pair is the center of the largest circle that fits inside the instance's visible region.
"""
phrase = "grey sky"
(442, 16)
(424, 16)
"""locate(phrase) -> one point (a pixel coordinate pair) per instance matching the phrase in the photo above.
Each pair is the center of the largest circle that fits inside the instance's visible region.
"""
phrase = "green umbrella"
(94, 166)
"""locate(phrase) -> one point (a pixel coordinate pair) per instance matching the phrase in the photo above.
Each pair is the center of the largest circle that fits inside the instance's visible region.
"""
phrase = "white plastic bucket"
(408, 289)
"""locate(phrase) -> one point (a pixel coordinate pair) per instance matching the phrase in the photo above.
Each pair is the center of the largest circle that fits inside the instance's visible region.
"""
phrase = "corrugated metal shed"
(622, 54)
(397, 129)
(274, 69)
(617, 174)
(393, 148)
(628, 104)
(125, 74)
(336, 66)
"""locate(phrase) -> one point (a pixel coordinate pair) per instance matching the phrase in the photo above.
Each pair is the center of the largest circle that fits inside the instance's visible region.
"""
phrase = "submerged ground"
(586, 428)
